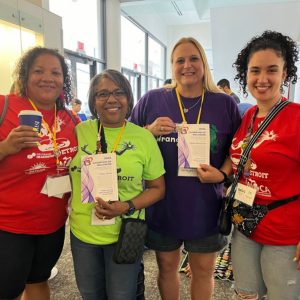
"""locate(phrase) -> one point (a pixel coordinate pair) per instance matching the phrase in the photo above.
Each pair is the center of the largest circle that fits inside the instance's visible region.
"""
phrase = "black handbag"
(131, 241)
(225, 219)
(227, 202)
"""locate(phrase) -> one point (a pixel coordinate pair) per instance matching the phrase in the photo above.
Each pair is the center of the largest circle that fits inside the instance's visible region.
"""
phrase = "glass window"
(83, 82)
(156, 59)
(133, 46)
(152, 84)
(143, 85)
(80, 24)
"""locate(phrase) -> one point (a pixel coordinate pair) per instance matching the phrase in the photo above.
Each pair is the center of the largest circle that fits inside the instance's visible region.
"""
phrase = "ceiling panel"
(193, 11)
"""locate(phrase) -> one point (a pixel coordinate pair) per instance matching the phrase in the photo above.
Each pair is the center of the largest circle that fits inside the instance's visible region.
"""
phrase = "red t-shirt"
(275, 173)
(23, 209)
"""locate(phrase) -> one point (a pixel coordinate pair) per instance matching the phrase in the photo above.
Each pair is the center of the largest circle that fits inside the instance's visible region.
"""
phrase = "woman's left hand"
(297, 257)
(106, 210)
(209, 174)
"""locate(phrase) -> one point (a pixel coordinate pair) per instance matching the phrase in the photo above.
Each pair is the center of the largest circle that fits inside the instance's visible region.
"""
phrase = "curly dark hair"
(284, 47)
(21, 73)
(120, 80)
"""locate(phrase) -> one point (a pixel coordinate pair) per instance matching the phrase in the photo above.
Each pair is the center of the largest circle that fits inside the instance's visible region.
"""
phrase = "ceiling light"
(176, 8)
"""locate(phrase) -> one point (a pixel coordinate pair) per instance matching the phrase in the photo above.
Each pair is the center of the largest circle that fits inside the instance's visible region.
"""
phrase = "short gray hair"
(120, 80)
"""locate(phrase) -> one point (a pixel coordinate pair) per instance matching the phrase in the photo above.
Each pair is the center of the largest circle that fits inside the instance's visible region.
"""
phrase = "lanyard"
(99, 139)
(181, 110)
(56, 151)
(247, 165)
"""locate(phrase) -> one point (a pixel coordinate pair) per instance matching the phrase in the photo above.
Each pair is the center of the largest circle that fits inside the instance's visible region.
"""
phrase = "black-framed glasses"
(104, 95)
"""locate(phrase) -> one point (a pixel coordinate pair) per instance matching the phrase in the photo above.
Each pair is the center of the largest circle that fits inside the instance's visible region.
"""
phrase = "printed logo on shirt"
(47, 141)
(266, 136)
(262, 190)
(123, 147)
(36, 168)
(47, 146)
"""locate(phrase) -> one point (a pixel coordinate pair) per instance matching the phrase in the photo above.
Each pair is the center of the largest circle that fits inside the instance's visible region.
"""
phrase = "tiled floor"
(63, 286)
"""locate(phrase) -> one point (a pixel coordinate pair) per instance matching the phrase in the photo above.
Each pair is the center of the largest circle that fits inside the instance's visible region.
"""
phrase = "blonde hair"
(208, 82)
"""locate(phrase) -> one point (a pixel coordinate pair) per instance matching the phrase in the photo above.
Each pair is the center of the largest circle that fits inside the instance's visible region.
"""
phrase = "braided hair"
(283, 46)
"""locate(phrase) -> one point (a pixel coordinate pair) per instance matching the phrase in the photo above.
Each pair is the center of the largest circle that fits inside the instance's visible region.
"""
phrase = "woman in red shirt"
(31, 222)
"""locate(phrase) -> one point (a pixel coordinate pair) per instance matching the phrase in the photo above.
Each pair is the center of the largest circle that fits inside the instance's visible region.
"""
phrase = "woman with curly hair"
(32, 223)
(267, 261)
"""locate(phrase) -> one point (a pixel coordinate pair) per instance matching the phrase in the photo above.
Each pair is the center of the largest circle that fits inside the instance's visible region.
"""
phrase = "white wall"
(52, 23)
(233, 27)
(201, 32)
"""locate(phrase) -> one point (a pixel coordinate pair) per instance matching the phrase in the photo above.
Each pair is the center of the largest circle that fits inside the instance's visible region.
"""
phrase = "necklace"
(186, 110)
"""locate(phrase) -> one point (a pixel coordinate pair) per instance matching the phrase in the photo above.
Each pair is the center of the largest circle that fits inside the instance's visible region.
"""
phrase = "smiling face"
(112, 112)
(264, 76)
(45, 81)
(187, 66)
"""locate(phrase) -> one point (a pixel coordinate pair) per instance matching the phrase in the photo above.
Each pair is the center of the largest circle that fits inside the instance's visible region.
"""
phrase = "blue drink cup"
(31, 118)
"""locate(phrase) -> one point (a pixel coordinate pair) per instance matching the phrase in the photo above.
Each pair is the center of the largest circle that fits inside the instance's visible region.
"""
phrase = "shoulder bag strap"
(71, 116)
(4, 110)
(255, 137)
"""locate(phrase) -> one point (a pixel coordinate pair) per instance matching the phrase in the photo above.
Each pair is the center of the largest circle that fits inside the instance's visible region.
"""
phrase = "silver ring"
(101, 206)
(162, 129)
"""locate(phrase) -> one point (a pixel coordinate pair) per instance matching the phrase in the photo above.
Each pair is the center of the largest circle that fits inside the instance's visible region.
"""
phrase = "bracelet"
(225, 177)
(146, 127)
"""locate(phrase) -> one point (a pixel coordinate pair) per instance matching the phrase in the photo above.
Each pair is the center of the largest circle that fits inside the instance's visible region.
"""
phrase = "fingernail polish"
(38, 144)
(34, 129)
(39, 134)
(295, 259)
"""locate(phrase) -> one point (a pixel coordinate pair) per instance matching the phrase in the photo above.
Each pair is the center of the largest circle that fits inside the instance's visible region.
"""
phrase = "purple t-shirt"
(190, 209)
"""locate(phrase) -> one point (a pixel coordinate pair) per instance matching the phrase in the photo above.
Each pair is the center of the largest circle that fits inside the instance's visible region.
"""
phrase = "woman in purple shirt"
(190, 210)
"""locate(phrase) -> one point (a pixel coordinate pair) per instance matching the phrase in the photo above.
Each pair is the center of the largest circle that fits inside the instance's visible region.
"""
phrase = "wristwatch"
(131, 209)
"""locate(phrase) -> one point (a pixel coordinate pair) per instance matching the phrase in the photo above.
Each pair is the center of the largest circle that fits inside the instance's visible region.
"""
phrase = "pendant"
(184, 122)
(56, 152)
(185, 110)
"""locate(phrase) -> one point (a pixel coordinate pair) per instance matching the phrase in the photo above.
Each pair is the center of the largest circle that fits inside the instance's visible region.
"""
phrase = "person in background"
(138, 159)
(76, 106)
(268, 262)
(190, 210)
(224, 85)
(243, 107)
(32, 226)
(168, 81)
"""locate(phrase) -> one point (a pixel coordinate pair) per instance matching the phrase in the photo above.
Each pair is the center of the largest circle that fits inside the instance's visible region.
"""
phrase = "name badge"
(187, 172)
(245, 194)
(57, 186)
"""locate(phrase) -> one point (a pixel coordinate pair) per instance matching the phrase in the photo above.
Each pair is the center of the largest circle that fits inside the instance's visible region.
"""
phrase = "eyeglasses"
(104, 95)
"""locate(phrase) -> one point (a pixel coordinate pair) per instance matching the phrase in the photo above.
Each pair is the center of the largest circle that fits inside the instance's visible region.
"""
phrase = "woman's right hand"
(16, 140)
(161, 126)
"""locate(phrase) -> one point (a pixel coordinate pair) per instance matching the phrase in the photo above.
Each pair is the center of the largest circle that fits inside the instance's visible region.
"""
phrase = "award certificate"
(99, 177)
(194, 146)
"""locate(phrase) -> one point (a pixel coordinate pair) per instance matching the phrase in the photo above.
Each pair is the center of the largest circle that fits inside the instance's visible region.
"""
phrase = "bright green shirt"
(138, 159)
